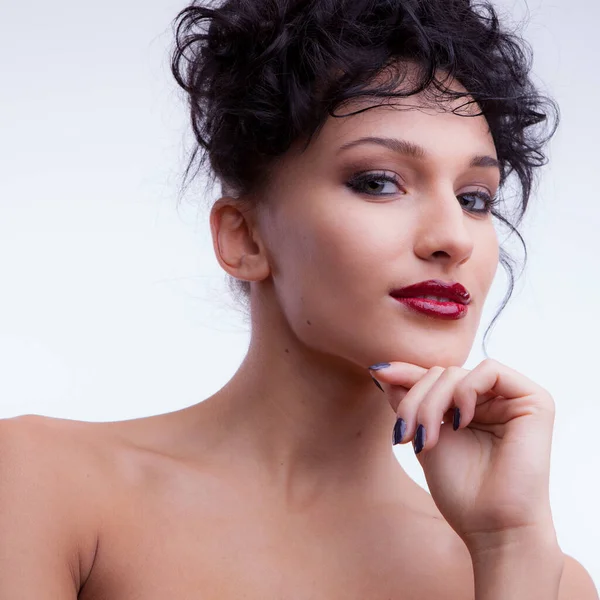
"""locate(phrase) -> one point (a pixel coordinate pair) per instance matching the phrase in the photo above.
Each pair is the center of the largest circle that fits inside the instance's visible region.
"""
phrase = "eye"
(485, 200)
(371, 183)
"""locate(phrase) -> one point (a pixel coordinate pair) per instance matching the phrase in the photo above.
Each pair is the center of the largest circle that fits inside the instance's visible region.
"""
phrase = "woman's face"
(337, 245)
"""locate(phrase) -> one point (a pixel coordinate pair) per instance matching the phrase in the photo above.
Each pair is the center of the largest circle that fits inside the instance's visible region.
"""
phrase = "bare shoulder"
(52, 449)
(49, 503)
(69, 455)
(576, 582)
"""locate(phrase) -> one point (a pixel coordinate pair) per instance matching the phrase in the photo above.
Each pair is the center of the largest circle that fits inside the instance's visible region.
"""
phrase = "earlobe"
(236, 243)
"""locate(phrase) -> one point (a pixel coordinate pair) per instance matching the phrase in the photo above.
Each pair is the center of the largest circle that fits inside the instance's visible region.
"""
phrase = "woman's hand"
(490, 477)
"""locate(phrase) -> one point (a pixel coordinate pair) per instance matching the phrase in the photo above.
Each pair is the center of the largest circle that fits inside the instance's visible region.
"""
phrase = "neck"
(307, 424)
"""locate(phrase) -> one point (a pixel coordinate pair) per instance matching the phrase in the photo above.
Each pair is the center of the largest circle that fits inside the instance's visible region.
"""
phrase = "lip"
(412, 297)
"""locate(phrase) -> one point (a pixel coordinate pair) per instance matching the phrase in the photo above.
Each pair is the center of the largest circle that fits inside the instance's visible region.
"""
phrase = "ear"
(236, 242)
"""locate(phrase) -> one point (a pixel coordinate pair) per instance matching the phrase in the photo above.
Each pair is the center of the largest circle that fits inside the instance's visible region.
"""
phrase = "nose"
(443, 233)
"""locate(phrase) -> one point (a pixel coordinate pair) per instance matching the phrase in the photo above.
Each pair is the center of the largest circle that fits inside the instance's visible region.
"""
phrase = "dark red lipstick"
(450, 299)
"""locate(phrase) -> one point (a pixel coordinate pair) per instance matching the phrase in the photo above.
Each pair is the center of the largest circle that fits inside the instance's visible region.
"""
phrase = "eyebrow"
(414, 151)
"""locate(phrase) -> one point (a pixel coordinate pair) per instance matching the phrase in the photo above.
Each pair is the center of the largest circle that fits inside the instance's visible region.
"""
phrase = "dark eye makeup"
(362, 184)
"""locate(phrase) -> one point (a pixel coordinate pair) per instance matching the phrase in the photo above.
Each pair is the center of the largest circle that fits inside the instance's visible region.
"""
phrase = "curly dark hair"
(262, 74)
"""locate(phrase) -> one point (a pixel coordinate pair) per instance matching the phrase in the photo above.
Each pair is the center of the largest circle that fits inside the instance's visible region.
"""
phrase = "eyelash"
(361, 178)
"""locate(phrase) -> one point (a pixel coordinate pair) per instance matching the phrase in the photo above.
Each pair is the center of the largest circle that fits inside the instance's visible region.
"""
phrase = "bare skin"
(171, 526)
(145, 519)
(283, 484)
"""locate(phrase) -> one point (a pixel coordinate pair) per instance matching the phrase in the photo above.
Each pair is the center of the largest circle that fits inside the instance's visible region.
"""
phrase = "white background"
(112, 305)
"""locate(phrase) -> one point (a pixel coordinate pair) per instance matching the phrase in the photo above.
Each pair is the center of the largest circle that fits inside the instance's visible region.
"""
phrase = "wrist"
(513, 542)
(519, 569)
(532, 553)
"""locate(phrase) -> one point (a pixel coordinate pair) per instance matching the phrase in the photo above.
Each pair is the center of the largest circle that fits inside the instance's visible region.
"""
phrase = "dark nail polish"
(377, 383)
(378, 366)
(419, 441)
(456, 422)
(399, 431)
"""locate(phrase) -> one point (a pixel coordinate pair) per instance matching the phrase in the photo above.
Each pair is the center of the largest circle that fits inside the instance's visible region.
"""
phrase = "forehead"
(439, 125)
(429, 117)
(449, 134)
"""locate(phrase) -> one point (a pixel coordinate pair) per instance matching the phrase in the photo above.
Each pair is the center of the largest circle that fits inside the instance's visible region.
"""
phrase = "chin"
(428, 356)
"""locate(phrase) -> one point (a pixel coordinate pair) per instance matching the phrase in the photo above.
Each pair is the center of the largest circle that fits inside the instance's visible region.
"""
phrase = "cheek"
(326, 268)
(483, 268)
(489, 260)
(341, 252)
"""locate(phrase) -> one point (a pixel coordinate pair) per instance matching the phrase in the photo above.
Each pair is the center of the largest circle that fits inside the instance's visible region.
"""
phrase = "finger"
(398, 373)
(409, 407)
(491, 380)
(437, 402)
(397, 378)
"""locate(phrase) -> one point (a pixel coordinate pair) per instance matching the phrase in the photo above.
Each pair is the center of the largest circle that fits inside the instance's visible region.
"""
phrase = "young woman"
(363, 148)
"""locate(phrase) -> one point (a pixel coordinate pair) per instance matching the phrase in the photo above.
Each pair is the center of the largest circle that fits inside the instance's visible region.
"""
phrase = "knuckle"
(490, 363)
(455, 372)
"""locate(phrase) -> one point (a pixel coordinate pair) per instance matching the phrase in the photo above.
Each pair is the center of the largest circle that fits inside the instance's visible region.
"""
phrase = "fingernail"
(456, 422)
(419, 441)
(399, 431)
(377, 383)
(378, 366)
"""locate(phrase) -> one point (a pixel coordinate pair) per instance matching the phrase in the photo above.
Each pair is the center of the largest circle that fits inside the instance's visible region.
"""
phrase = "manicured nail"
(456, 422)
(399, 431)
(380, 366)
(377, 383)
(419, 441)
